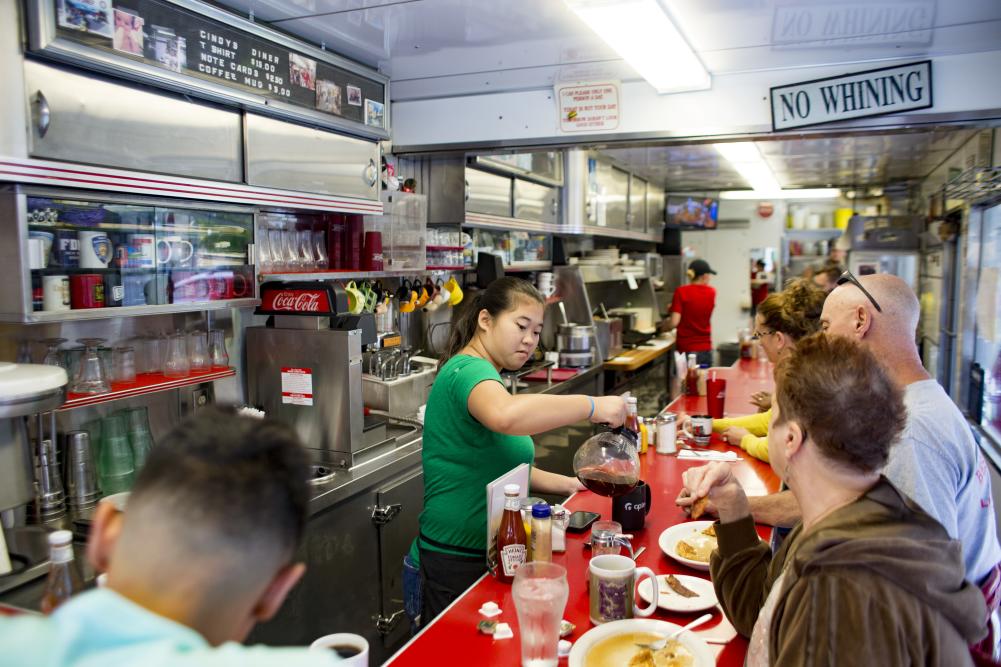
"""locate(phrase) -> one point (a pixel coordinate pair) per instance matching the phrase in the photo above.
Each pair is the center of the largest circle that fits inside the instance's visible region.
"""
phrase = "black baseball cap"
(700, 267)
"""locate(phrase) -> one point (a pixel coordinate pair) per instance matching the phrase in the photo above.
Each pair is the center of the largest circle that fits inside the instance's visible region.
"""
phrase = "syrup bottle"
(631, 428)
(692, 377)
(512, 543)
(64, 579)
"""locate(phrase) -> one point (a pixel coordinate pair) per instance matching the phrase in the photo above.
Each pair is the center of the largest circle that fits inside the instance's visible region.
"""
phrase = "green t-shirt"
(461, 456)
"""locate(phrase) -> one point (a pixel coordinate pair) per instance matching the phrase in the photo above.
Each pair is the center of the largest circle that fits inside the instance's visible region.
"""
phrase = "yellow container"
(842, 216)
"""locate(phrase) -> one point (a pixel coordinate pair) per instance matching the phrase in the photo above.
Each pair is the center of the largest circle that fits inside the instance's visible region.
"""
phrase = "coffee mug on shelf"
(227, 285)
(612, 580)
(189, 286)
(142, 251)
(55, 293)
(701, 429)
(39, 248)
(174, 251)
(65, 249)
(86, 291)
(96, 250)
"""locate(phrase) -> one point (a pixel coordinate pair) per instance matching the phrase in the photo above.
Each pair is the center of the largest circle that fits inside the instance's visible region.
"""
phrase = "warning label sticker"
(297, 386)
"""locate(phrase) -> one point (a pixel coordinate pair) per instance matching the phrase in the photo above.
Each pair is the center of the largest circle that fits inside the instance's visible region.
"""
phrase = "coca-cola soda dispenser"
(304, 366)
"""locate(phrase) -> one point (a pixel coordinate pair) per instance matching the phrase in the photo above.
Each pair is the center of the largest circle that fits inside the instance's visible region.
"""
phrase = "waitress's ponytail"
(501, 295)
(463, 328)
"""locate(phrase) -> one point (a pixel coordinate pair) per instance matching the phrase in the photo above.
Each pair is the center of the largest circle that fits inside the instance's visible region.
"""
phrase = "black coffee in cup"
(345, 650)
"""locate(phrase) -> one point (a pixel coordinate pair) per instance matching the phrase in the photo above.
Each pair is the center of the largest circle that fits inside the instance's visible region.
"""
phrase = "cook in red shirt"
(691, 311)
(759, 285)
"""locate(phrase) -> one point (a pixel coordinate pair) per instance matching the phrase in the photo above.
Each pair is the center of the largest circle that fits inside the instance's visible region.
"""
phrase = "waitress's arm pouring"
(491, 405)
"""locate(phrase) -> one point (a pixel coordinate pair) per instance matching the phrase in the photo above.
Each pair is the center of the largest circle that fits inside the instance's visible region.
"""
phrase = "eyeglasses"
(848, 277)
(758, 335)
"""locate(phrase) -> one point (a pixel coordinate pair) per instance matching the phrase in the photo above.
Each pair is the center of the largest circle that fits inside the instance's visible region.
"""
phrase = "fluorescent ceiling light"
(805, 193)
(646, 38)
(746, 159)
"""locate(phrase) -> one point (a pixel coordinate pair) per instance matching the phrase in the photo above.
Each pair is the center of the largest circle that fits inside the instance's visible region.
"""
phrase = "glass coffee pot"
(608, 464)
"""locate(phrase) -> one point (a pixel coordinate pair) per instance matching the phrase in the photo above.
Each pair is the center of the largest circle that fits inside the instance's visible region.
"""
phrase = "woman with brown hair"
(475, 431)
(782, 319)
(867, 575)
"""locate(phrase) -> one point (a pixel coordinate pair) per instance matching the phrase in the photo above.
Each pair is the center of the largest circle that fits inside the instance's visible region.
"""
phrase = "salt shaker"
(667, 433)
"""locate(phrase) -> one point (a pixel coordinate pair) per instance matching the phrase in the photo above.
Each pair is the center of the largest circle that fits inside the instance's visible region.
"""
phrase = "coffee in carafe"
(608, 464)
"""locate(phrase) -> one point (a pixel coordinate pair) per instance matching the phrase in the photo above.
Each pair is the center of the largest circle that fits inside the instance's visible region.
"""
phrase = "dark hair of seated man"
(212, 525)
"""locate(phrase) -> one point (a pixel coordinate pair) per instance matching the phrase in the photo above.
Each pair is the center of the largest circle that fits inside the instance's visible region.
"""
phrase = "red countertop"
(454, 632)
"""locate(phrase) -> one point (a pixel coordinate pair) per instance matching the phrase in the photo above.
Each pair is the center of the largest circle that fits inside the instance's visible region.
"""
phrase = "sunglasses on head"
(848, 277)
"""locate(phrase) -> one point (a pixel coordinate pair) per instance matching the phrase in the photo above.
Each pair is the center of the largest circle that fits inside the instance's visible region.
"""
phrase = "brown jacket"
(877, 582)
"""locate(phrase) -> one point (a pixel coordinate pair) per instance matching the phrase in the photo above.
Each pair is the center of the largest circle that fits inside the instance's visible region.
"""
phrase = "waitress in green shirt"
(475, 431)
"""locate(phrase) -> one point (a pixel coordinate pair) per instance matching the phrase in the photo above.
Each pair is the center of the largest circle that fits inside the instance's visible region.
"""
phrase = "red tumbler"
(372, 252)
(715, 395)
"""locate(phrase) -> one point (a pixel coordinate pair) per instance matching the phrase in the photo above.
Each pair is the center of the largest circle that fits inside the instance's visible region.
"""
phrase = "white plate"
(699, 649)
(671, 601)
(669, 539)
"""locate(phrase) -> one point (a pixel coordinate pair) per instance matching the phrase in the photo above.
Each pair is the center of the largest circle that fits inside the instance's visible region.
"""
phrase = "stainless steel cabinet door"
(85, 119)
(292, 157)
(637, 204)
(535, 202)
(488, 193)
(615, 186)
(654, 207)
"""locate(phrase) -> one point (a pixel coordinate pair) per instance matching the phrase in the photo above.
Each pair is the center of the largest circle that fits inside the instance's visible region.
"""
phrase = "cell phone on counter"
(580, 521)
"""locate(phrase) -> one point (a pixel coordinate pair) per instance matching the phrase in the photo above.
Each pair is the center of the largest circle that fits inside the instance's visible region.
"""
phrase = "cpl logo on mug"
(629, 507)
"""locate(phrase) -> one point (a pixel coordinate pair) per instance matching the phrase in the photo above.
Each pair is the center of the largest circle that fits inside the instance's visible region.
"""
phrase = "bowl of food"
(690, 543)
(626, 644)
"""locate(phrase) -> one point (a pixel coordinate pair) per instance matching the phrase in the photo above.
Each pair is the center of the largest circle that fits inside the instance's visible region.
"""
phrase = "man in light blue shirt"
(204, 552)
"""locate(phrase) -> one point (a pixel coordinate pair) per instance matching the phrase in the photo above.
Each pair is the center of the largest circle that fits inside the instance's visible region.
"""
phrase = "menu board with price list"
(179, 39)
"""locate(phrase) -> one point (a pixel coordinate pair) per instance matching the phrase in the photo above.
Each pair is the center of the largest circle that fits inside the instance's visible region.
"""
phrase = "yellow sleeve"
(757, 423)
(755, 446)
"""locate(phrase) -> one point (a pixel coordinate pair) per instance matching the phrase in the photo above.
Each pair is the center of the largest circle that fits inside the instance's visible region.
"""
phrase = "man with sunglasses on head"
(936, 461)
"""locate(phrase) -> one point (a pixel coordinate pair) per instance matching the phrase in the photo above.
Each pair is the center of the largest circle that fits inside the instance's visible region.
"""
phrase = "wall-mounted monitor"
(692, 211)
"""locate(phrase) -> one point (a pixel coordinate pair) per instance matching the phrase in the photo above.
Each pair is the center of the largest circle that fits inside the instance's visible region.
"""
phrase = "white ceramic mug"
(39, 247)
(702, 429)
(352, 649)
(612, 580)
(55, 293)
(96, 250)
(144, 247)
(174, 250)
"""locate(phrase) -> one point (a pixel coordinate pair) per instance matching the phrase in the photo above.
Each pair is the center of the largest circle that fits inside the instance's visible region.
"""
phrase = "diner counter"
(454, 631)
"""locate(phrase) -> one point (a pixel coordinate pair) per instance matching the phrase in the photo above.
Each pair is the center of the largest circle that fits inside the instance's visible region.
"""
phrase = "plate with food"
(615, 644)
(690, 543)
(680, 592)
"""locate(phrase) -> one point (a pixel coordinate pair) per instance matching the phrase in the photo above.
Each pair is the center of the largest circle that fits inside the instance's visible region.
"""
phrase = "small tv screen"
(692, 211)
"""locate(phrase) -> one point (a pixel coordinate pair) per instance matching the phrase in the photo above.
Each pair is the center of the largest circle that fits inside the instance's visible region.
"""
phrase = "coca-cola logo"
(298, 302)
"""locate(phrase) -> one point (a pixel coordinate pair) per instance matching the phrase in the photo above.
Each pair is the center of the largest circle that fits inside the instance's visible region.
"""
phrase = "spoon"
(661, 643)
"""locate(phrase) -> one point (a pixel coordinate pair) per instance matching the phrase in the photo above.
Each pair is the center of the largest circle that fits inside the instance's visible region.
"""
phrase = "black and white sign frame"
(775, 92)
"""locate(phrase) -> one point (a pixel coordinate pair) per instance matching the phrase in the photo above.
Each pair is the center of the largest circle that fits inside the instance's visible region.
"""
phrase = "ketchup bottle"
(512, 543)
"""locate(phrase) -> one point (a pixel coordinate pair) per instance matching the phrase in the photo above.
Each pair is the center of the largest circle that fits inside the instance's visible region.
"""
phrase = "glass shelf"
(145, 384)
(108, 258)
